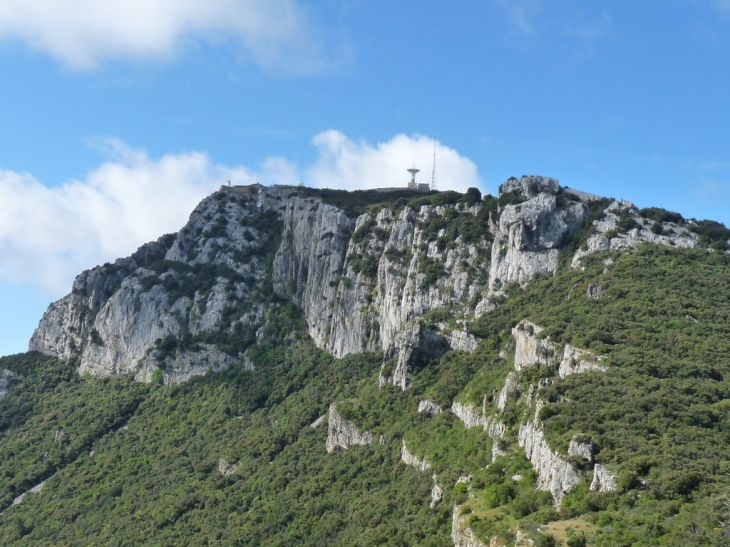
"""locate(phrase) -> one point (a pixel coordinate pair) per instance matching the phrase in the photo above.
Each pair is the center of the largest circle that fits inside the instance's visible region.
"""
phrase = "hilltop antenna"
(433, 172)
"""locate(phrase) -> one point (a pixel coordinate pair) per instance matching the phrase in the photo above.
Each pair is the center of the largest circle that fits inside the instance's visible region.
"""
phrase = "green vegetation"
(660, 415)
(157, 482)
(658, 214)
(712, 233)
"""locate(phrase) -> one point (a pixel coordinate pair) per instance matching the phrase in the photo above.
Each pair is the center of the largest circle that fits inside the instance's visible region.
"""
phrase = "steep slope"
(470, 337)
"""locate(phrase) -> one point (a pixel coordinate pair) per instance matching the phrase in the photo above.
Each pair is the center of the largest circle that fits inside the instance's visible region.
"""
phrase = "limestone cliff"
(461, 534)
(608, 235)
(196, 299)
(420, 464)
(341, 434)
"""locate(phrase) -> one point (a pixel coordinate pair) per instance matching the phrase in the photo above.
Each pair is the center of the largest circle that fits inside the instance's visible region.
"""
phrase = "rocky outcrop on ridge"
(226, 469)
(364, 284)
(529, 235)
(469, 414)
(437, 493)
(607, 234)
(192, 283)
(555, 473)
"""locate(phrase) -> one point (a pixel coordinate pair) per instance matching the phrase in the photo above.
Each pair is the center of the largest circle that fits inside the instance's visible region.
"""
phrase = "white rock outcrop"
(463, 341)
(420, 464)
(361, 282)
(428, 407)
(578, 361)
(226, 469)
(603, 480)
(583, 448)
(437, 493)
(530, 348)
(37, 488)
(606, 235)
(186, 364)
(461, 534)
(594, 292)
(529, 235)
(341, 434)
(555, 474)
(183, 283)
(471, 415)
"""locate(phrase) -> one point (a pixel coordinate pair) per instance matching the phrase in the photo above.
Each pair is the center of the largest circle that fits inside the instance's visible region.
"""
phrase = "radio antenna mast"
(433, 172)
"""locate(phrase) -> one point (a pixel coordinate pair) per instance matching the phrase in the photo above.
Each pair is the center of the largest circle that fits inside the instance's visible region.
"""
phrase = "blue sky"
(116, 118)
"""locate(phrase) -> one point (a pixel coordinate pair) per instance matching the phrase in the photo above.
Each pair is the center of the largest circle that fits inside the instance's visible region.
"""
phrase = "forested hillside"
(580, 399)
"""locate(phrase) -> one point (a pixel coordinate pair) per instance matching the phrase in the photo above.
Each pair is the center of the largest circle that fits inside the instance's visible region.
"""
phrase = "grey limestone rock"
(341, 434)
(529, 235)
(463, 341)
(437, 494)
(469, 414)
(116, 314)
(7, 379)
(530, 348)
(578, 361)
(461, 534)
(226, 469)
(581, 446)
(594, 292)
(607, 235)
(603, 480)
(555, 474)
(186, 364)
(428, 407)
(420, 464)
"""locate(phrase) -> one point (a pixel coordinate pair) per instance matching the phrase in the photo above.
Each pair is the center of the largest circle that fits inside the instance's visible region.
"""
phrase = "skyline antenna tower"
(433, 171)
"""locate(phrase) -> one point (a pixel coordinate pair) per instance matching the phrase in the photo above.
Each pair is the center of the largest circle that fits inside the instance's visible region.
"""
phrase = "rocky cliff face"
(363, 284)
(461, 534)
(154, 309)
(196, 299)
(556, 474)
(608, 233)
(341, 434)
(603, 480)
(529, 235)
(420, 464)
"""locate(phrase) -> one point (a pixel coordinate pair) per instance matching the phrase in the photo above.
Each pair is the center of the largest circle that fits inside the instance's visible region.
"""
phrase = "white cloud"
(83, 33)
(49, 235)
(351, 165)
